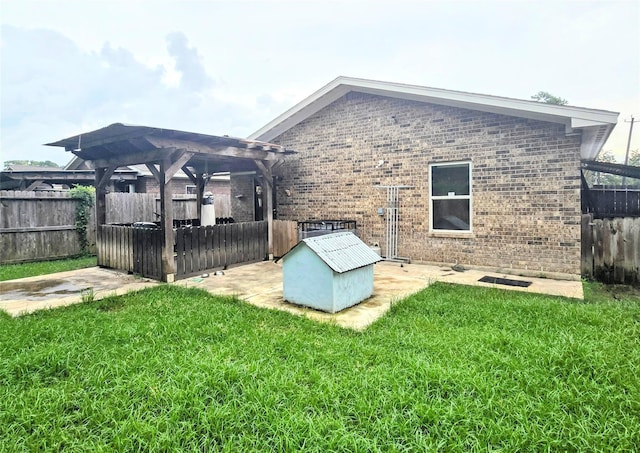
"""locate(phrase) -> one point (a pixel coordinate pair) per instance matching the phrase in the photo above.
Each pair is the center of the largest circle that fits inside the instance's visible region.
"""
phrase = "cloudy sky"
(223, 67)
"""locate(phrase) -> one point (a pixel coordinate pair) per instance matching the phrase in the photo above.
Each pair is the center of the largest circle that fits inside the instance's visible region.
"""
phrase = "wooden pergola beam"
(34, 184)
(154, 171)
(223, 151)
(190, 175)
(91, 143)
(104, 176)
(142, 157)
(177, 160)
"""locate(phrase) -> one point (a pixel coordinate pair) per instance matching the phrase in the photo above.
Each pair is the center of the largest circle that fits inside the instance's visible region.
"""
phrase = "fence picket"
(616, 250)
(39, 225)
(218, 245)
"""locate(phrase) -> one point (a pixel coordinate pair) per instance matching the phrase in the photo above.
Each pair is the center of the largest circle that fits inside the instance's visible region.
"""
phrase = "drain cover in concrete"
(504, 281)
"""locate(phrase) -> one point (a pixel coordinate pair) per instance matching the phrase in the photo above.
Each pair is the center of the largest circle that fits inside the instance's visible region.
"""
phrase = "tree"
(599, 178)
(548, 98)
(32, 163)
(606, 178)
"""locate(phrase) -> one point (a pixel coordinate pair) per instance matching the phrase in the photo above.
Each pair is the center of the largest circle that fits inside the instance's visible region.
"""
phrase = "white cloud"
(230, 67)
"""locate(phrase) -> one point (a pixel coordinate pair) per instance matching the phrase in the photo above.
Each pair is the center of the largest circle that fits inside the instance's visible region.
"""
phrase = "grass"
(450, 368)
(13, 271)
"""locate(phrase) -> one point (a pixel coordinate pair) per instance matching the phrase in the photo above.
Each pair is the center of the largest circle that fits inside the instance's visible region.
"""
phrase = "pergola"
(164, 152)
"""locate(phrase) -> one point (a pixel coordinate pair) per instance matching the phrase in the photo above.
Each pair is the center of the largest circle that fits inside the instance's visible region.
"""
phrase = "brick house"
(492, 182)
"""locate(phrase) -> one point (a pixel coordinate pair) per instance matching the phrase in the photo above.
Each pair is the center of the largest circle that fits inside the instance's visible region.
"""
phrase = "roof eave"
(573, 118)
(593, 139)
(303, 109)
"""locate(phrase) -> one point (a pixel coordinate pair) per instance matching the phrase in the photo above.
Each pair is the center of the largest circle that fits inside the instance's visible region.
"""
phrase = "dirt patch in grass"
(601, 293)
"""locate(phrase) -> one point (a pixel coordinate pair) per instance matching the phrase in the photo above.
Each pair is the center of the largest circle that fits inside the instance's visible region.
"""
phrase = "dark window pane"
(451, 215)
(450, 178)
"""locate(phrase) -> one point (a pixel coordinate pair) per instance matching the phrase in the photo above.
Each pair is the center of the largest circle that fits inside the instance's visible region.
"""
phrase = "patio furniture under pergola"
(164, 152)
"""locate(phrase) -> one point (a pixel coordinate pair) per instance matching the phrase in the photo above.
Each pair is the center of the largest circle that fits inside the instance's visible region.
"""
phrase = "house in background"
(28, 177)
(480, 180)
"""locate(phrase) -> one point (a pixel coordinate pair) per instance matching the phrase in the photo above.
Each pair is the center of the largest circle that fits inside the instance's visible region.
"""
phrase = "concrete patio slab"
(26, 295)
(260, 284)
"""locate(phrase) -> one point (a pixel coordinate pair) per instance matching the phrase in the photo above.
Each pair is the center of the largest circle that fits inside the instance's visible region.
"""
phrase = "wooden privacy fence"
(39, 226)
(285, 236)
(611, 249)
(145, 207)
(207, 247)
(607, 202)
(135, 250)
(197, 249)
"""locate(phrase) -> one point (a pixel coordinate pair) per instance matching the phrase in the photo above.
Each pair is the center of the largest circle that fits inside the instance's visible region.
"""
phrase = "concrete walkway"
(260, 284)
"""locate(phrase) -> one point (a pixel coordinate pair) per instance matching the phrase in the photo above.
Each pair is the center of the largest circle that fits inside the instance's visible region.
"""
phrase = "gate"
(129, 249)
(611, 249)
(285, 236)
(201, 248)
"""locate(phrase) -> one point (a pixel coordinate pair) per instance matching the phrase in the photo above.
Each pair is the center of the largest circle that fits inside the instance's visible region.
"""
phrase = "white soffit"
(595, 125)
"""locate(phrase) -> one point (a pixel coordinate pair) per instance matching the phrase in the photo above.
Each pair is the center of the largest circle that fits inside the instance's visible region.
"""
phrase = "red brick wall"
(179, 186)
(243, 198)
(525, 180)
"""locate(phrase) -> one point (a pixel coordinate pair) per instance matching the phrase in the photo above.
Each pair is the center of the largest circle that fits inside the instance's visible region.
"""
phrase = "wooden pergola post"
(200, 182)
(168, 167)
(166, 221)
(102, 178)
(267, 199)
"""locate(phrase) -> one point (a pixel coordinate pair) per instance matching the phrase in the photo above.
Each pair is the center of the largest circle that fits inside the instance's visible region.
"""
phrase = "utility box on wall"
(329, 273)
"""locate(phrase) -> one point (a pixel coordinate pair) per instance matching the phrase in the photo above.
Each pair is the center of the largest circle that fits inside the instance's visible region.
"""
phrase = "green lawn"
(13, 271)
(451, 368)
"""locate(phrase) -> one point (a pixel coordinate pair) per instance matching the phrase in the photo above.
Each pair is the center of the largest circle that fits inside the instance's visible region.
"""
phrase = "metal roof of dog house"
(342, 252)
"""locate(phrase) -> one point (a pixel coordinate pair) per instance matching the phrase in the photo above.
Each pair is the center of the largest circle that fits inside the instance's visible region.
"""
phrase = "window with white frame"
(450, 196)
(192, 190)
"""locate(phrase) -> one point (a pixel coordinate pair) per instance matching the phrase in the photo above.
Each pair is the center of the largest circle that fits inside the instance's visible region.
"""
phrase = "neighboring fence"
(39, 226)
(605, 202)
(145, 207)
(285, 236)
(611, 249)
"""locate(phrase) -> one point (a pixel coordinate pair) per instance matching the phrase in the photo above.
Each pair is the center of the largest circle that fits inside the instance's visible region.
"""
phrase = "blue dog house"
(329, 273)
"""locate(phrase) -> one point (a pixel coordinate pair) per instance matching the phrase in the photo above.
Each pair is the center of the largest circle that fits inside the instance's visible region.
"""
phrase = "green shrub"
(86, 199)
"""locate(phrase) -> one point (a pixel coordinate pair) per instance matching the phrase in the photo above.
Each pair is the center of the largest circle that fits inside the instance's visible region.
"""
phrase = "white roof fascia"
(593, 139)
(302, 110)
(572, 117)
